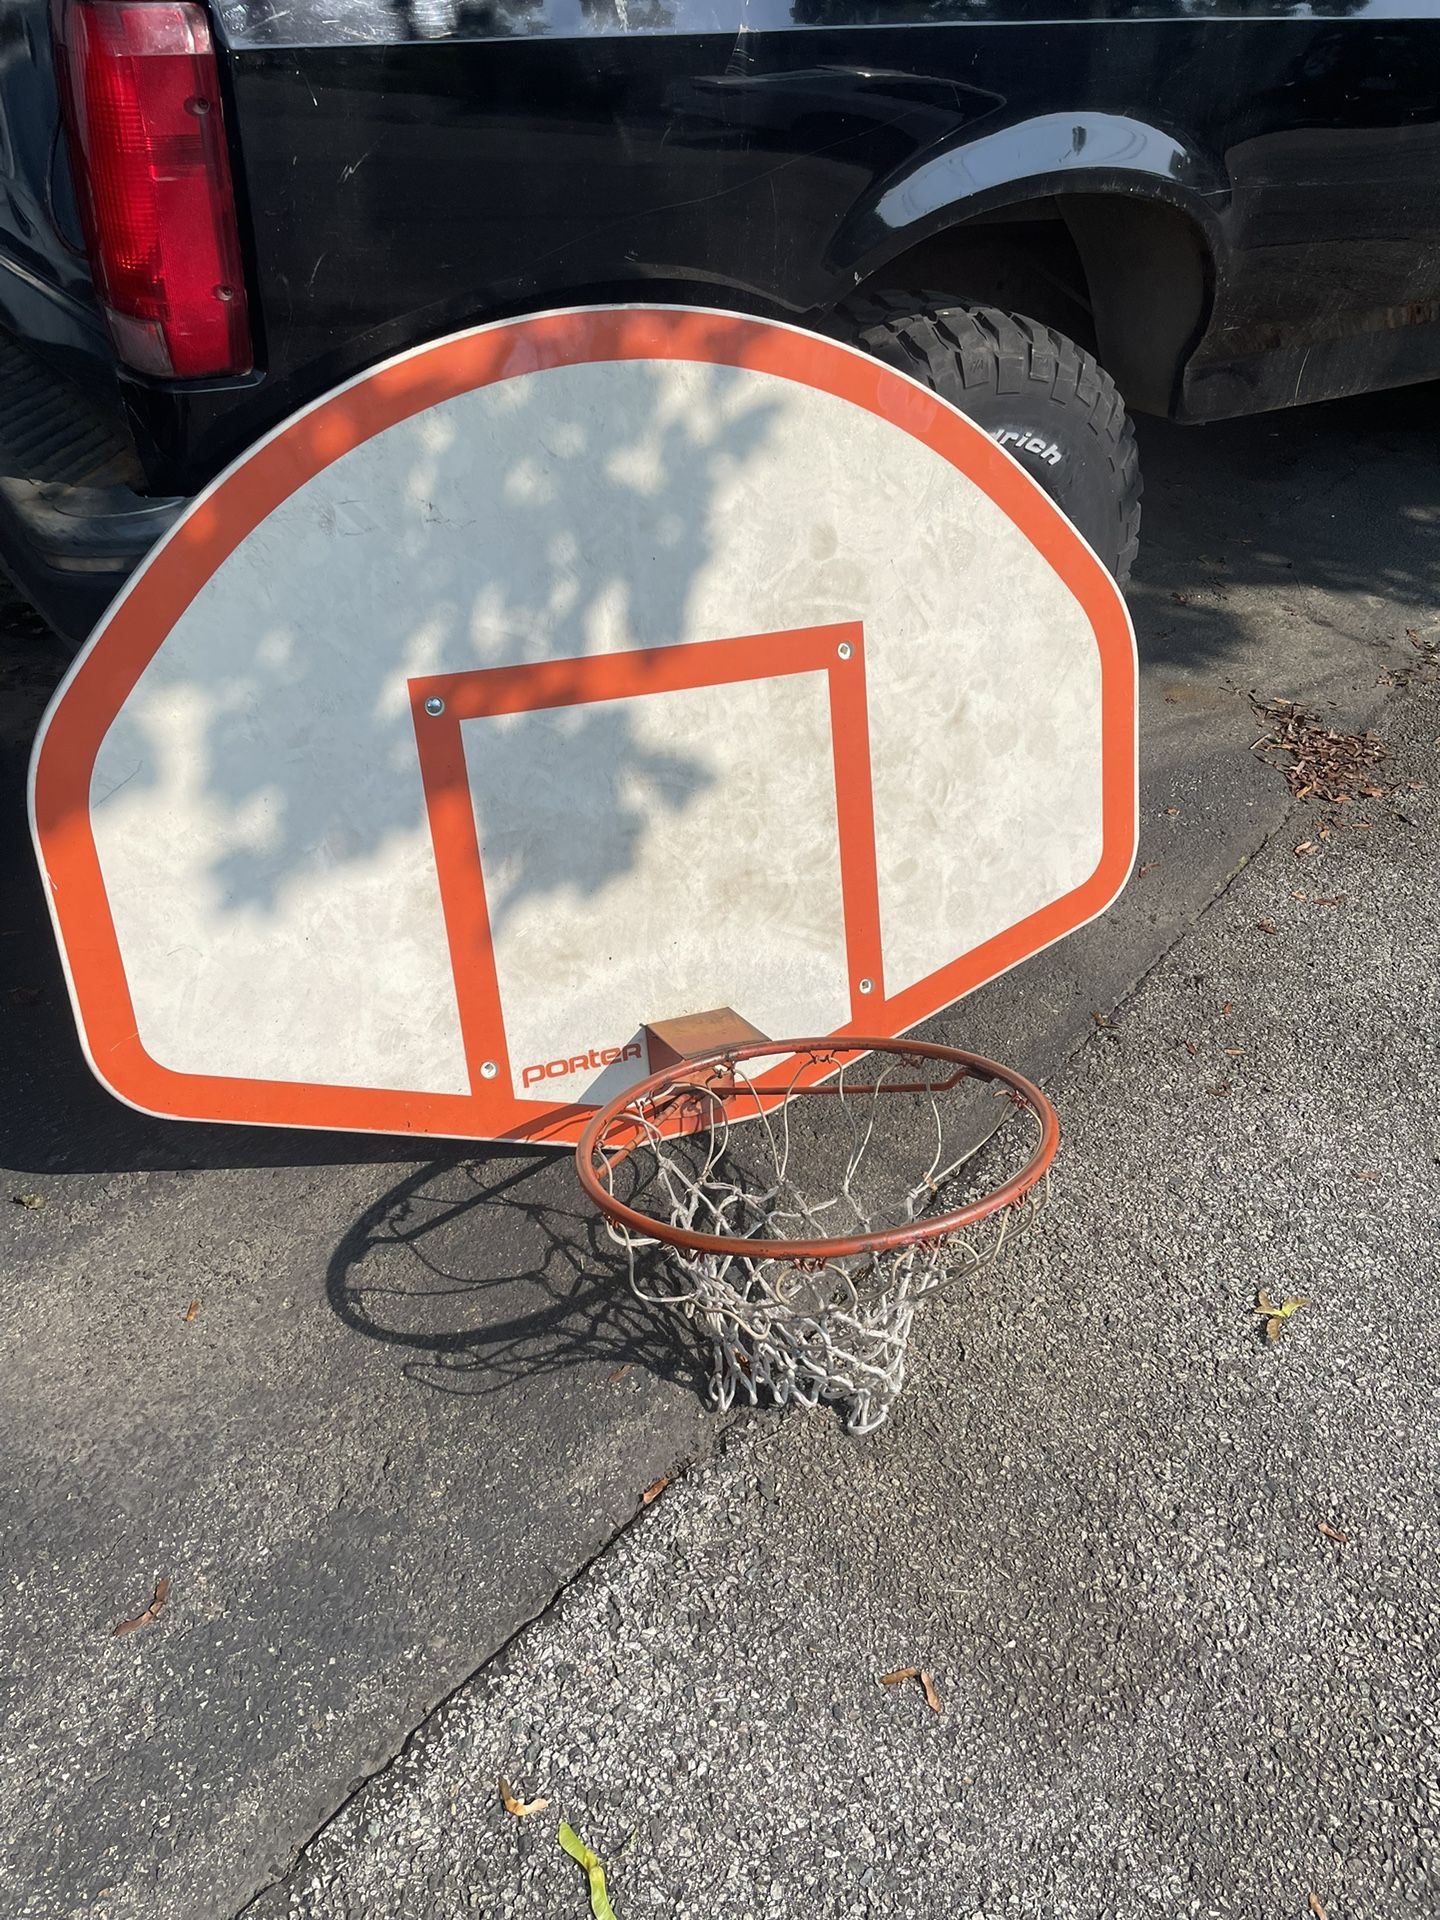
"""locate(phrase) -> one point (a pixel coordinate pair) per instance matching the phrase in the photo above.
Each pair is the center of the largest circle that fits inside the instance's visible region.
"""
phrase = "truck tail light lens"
(147, 146)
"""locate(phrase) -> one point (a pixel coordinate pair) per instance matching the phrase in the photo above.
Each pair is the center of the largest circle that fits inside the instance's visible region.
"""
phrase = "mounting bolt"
(434, 706)
(489, 1070)
(844, 649)
(867, 986)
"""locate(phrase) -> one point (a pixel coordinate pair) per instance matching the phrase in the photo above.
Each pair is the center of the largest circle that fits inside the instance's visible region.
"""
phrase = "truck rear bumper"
(70, 549)
(72, 527)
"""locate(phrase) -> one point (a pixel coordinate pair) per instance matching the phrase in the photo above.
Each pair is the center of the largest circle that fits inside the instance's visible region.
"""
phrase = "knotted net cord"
(837, 1329)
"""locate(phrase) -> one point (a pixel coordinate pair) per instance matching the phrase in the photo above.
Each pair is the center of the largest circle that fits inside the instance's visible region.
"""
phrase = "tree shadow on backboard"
(286, 830)
(1267, 503)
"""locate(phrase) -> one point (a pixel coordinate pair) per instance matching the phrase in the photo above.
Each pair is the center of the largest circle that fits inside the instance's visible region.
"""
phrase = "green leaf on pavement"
(578, 1851)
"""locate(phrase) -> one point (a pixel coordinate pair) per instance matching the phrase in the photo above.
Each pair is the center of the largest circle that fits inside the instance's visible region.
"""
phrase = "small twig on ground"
(152, 1612)
(932, 1697)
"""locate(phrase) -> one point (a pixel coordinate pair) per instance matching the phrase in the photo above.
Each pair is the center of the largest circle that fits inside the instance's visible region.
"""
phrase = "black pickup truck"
(211, 213)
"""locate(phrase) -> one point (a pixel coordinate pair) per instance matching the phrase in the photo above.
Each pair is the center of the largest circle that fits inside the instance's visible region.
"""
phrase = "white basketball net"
(836, 1330)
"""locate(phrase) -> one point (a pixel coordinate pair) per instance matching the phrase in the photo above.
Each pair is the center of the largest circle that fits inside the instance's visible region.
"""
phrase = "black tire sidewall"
(1060, 451)
(1034, 391)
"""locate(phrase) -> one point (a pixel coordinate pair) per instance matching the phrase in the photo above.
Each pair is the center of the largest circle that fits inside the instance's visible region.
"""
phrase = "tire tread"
(967, 351)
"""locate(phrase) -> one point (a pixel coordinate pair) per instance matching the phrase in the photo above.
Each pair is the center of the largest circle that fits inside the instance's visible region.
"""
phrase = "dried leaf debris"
(512, 1803)
(932, 1695)
(152, 1612)
(1277, 1312)
(1319, 763)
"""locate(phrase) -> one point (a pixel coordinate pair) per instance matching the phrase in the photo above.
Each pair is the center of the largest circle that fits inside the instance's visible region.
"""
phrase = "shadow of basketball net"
(482, 1277)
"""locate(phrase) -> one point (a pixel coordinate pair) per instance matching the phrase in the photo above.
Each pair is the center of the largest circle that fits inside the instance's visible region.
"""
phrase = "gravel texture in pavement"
(1177, 1583)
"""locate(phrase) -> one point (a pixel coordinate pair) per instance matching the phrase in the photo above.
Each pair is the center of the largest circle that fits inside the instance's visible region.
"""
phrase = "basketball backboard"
(562, 676)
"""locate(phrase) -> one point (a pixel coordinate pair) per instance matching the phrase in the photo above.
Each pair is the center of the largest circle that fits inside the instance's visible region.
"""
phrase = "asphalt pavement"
(1175, 1583)
(369, 1414)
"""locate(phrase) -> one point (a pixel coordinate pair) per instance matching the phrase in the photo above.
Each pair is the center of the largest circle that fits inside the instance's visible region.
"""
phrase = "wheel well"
(1129, 279)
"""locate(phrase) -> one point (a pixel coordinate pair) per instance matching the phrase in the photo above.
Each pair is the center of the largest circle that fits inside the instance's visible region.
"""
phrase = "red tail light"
(147, 145)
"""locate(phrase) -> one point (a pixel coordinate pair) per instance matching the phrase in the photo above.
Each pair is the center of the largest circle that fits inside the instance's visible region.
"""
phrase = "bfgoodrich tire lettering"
(1036, 392)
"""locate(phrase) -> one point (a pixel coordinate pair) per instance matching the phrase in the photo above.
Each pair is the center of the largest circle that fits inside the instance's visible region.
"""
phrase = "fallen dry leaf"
(1172, 813)
(152, 1612)
(1317, 1907)
(619, 1373)
(31, 1200)
(1278, 1312)
(1235, 1053)
(932, 1697)
(1333, 1533)
(1145, 866)
(1267, 926)
(1229, 1007)
(654, 1490)
(1368, 1173)
(522, 1809)
(1221, 1090)
(191, 1311)
(1305, 846)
